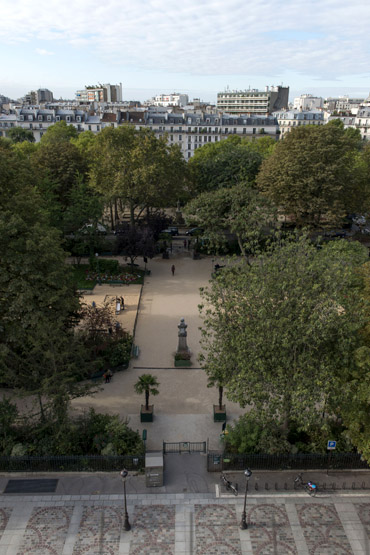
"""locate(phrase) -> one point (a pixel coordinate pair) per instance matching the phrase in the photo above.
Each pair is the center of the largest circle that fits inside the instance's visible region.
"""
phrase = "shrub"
(182, 356)
(102, 265)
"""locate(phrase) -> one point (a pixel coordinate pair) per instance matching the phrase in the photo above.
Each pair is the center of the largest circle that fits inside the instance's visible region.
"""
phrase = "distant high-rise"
(40, 96)
(100, 93)
(253, 101)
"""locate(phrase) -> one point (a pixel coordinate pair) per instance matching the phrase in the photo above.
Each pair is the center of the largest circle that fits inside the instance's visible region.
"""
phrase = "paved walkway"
(183, 410)
(184, 524)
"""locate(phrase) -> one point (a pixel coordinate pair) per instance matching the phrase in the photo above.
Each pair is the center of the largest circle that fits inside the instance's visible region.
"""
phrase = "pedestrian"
(106, 378)
(173, 269)
(109, 375)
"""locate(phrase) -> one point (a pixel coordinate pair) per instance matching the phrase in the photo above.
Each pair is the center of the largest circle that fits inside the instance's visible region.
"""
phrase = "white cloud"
(205, 38)
(44, 52)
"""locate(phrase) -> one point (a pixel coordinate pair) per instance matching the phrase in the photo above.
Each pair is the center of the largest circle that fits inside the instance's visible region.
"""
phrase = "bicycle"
(309, 486)
(228, 485)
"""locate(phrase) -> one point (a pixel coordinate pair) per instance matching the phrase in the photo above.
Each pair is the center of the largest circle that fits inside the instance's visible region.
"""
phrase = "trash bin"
(154, 469)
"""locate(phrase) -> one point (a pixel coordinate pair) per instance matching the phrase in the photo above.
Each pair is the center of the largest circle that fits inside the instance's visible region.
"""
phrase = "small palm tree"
(147, 384)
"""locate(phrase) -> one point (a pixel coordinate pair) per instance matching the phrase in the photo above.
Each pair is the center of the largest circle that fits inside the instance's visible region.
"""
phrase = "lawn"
(87, 279)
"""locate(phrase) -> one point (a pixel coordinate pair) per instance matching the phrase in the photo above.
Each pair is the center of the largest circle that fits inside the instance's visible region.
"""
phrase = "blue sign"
(331, 445)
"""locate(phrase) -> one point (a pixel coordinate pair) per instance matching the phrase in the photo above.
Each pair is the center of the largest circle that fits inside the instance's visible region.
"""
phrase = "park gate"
(185, 447)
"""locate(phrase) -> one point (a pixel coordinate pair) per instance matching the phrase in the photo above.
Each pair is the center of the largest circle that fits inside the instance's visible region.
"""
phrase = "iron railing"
(217, 461)
(88, 463)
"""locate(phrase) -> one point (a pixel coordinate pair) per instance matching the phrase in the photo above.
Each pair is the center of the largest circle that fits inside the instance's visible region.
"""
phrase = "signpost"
(330, 447)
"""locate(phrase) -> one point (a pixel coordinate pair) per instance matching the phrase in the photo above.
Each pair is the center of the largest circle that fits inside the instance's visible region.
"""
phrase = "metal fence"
(89, 463)
(185, 447)
(217, 461)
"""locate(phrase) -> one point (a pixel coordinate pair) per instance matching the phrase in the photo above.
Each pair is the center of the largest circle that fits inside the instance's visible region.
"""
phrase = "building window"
(30, 118)
(234, 129)
(89, 127)
(40, 125)
(189, 154)
(48, 118)
(244, 130)
(180, 137)
(171, 137)
(216, 139)
(189, 129)
(226, 129)
(39, 118)
(254, 130)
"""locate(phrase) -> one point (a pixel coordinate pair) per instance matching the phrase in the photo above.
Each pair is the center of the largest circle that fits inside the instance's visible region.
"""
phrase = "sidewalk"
(181, 523)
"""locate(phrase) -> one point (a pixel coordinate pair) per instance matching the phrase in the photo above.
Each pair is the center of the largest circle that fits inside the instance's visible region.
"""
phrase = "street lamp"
(126, 524)
(243, 522)
(97, 267)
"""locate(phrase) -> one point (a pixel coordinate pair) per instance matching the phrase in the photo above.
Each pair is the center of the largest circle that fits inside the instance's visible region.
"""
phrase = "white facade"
(362, 122)
(174, 99)
(289, 119)
(308, 102)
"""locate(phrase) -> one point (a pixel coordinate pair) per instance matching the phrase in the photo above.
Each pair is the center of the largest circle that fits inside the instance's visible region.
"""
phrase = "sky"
(197, 47)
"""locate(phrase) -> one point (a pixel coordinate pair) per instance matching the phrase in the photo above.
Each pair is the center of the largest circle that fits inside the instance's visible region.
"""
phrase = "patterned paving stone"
(100, 531)
(270, 530)
(217, 531)
(323, 530)
(46, 531)
(363, 511)
(5, 513)
(153, 530)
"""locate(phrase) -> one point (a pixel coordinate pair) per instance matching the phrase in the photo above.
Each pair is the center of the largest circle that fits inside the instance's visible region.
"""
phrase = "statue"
(182, 346)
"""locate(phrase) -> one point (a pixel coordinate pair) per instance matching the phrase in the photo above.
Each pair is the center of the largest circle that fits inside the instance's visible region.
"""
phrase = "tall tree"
(137, 169)
(314, 175)
(19, 135)
(39, 353)
(284, 329)
(226, 163)
(240, 210)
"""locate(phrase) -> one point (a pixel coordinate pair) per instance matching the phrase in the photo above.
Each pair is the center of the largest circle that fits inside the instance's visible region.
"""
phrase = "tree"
(314, 175)
(240, 210)
(282, 332)
(138, 170)
(19, 135)
(59, 132)
(225, 163)
(39, 352)
(147, 384)
(135, 242)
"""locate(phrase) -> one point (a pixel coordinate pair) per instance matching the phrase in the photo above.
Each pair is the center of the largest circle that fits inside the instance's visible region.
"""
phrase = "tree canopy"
(137, 168)
(315, 175)
(227, 163)
(283, 332)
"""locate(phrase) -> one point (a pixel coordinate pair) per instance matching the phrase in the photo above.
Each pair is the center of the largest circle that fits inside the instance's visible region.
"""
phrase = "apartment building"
(253, 101)
(101, 93)
(288, 119)
(308, 102)
(188, 130)
(166, 100)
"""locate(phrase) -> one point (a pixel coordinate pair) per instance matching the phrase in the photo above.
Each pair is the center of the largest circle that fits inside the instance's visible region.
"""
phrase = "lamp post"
(126, 524)
(243, 522)
(97, 266)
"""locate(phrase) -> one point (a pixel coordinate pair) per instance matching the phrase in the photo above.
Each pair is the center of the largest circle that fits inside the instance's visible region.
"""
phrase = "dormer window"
(30, 117)
(57, 118)
(68, 118)
(78, 118)
(39, 118)
(48, 118)
(21, 117)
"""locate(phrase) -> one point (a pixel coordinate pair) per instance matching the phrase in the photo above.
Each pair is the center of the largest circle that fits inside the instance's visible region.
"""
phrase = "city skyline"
(153, 47)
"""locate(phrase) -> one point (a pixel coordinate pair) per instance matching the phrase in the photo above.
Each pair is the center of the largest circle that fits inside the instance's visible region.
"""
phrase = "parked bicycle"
(228, 485)
(310, 487)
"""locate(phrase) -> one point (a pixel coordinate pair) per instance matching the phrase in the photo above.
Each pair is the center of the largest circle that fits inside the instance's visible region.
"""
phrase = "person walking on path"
(173, 269)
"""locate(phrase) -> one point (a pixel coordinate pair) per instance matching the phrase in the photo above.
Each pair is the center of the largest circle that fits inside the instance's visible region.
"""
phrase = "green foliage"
(251, 434)
(8, 417)
(19, 135)
(282, 332)
(118, 352)
(239, 210)
(90, 433)
(314, 175)
(104, 265)
(59, 132)
(147, 384)
(224, 164)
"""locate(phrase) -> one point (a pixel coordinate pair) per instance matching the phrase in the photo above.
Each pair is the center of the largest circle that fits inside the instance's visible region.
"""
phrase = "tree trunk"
(111, 217)
(132, 215)
(147, 399)
(220, 395)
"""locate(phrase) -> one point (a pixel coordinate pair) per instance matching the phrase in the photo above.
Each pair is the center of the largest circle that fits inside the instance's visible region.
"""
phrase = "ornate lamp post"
(243, 522)
(126, 524)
